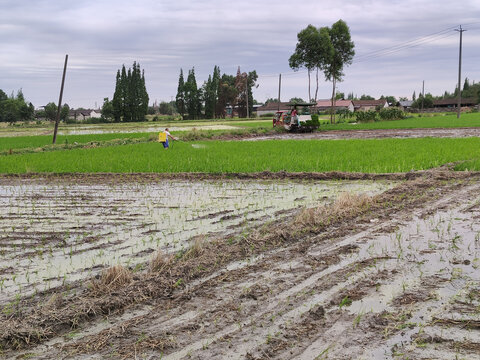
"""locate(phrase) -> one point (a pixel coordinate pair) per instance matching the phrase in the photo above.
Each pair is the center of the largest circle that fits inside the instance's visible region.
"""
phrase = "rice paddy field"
(356, 248)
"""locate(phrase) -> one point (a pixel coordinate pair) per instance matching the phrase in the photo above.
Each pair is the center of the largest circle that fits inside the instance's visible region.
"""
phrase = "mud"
(392, 277)
(50, 233)
(376, 134)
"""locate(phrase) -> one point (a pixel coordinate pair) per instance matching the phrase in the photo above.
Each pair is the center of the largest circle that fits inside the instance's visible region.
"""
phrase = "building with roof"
(324, 105)
(272, 107)
(452, 103)
(365, 105)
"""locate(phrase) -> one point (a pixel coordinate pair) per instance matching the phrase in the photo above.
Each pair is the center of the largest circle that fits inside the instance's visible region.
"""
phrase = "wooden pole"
(246, 89)
(279, 87)
(459, 99)
(57, 119)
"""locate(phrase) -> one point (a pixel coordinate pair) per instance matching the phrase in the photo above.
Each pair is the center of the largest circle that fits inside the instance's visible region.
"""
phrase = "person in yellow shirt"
(163, 138)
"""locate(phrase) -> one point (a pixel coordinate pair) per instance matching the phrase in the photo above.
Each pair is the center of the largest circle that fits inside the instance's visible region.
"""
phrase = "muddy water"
(62, 232)
(89, 130)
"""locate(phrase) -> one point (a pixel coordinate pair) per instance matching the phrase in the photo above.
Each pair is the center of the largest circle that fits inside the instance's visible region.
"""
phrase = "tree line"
(15, 108)
(217, 94)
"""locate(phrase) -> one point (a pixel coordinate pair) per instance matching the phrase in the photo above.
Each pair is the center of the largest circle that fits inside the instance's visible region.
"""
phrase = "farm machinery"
(291, 120)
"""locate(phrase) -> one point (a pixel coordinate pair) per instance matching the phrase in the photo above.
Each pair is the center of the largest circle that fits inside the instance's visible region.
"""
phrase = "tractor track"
(397, 282)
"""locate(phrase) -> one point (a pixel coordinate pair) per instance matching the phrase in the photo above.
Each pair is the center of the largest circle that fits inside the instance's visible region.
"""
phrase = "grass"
(440, 121)
(373, 156)
(23, 142)
(36, 141)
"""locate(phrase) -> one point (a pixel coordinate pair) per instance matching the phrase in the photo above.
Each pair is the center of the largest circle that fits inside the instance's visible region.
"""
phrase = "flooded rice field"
(390, 275)
(89, 130)
(55, 233)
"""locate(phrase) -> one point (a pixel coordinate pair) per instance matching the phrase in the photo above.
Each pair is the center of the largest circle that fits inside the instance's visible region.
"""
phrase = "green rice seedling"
(385, 155)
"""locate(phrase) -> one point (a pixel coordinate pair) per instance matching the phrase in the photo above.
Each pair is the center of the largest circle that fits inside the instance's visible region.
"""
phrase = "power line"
(410, 43)
(399, 49)
(436, 36)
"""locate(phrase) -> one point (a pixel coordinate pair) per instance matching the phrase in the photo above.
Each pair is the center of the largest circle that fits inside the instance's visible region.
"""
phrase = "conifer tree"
(130, 100)
(180, 98)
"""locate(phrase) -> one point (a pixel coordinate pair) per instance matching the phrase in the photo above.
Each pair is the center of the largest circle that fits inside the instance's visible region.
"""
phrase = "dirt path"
(377, 134)
(396, 278)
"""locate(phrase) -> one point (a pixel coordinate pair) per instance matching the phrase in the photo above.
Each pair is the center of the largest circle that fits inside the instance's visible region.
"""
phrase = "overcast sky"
(398, 44)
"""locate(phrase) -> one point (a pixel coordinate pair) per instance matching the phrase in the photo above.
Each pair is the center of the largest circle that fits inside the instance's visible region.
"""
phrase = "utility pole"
(279, 87)
(459, 103)
(423, 93)
(246, 90)
(57, 119)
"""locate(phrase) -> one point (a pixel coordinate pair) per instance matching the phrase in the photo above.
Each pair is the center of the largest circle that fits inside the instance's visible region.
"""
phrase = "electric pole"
(459, 103)
(423, 93)
(246, 90)
(57, 118)
(279, 87)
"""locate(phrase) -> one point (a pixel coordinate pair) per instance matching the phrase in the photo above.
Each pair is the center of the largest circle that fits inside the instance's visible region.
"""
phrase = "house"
(324, 105)
(82, 114)
(272, 107)
(405, 105)
(365, 105)
(452, 103)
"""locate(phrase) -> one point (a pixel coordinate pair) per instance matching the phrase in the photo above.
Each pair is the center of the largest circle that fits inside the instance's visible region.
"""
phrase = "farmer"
(165, 138)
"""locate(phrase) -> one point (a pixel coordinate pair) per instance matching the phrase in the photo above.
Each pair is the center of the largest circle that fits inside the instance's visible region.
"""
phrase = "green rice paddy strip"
(447, 121)
(372, 156)
(23, 142)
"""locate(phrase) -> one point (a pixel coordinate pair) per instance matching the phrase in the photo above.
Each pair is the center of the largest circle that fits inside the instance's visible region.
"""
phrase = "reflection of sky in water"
(87, 131)
(100, 224)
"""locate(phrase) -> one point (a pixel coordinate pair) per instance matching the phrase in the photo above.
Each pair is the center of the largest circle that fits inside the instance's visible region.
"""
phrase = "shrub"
(391, 113)
(267, 115)
(312, 124)
(366, 116)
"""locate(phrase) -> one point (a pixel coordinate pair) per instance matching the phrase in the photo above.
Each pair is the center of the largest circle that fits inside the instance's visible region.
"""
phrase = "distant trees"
(50, 111)
(15, 108)
(211, 93)
(130, 99)
(227, 94)
(166, 108)
(108, 112)
(217, 93)
(296, 100)
(243, 85)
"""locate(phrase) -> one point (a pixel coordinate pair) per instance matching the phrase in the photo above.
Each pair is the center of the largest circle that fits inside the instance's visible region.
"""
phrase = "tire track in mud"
(285, 303)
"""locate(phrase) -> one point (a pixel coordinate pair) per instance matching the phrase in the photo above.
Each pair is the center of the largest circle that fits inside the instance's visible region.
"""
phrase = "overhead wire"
(436, 36)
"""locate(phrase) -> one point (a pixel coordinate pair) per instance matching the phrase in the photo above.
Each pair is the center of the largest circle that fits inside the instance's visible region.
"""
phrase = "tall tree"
(251, 83)
(312, 51)
(51, 111)
(192, 100)
(180, 98)
(117, 101)
(209, 98)
(227, 94)
(342, 54)
(241, 87)
(130, 99)
(215, 84)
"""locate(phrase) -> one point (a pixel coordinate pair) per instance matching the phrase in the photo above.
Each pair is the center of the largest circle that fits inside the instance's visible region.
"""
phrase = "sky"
(398, 45)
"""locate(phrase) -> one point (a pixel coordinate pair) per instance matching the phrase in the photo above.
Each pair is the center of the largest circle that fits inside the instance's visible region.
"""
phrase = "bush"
(391, 113)
(366, 116)
(312, 124)
(268, 115)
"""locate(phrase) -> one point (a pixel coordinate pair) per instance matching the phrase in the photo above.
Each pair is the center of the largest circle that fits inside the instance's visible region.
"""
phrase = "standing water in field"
(62, 232)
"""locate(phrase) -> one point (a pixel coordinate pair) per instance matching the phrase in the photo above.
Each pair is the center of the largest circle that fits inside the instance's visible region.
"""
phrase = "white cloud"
(164, 36)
